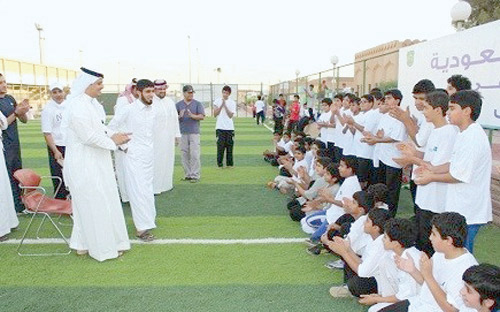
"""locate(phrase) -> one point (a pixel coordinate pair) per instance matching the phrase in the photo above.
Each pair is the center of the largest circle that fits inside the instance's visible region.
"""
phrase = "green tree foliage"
(483, 11)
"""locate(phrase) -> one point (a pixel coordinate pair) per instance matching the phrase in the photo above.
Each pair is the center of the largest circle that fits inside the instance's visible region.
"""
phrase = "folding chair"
(37, 202)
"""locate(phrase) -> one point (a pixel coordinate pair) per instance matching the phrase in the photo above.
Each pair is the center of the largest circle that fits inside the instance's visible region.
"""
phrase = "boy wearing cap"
(51, 127)
(190, 113)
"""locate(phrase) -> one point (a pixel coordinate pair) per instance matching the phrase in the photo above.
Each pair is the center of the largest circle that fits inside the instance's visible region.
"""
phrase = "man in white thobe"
(166, 136)
(98, 224)
(138, 119)
(124, 99)
(8, 217)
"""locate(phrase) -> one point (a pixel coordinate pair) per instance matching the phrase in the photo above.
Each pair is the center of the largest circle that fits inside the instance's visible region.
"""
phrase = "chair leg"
(45, 215)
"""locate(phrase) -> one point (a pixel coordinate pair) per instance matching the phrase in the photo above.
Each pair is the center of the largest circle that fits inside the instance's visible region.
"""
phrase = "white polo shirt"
(223, 121)
(51, 121)
(471, 163)
(385, 152)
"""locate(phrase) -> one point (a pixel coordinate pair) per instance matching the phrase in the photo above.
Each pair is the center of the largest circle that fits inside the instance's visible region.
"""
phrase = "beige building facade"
(378, 66)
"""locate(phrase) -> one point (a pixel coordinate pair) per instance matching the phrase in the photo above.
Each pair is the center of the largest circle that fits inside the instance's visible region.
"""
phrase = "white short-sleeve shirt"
(347, 189)
(437, 151)
(471, 163)
(259, 106)
(385, 152)
(357, 237)
(325, 133)
(223, 121)
(51, 121)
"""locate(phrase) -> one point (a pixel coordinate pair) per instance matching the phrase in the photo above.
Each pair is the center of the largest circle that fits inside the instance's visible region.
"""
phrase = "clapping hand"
(120, 138)
(22, 108)
(425, 266)
(405, 265)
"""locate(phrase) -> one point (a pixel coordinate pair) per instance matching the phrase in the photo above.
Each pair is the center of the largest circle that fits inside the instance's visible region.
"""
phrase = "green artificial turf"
(226, 204)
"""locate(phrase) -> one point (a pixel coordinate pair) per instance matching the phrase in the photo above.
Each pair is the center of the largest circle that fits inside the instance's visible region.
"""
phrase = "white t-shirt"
(325, 133)
(424, 129)
(385, 152)
(341, 137)
(309, 157)
(297, 165)
(369, 122)
(374, 254)
(350, 146)
(51, 121)
(471, 163)
(437, 151)
(259, 106)
(448, 274)
(287, 146)
(223, 121)
(346, 190)
(357, 237)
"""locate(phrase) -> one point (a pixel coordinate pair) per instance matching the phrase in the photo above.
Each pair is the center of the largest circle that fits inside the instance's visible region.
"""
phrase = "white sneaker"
(337, 264)
(340, 292)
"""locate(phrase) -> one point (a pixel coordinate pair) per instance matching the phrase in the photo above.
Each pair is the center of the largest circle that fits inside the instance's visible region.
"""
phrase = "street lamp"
(335, 60)
(40, 42)
(297, 73)
(460, 12)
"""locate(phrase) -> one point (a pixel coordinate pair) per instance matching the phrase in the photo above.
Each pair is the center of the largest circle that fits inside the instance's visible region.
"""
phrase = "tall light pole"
(460, 12)
(297, 73)
(40, 42)
(335, 60)
(189, 53)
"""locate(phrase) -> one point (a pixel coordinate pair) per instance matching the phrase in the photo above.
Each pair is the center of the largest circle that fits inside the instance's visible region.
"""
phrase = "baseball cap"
(187, 88)
(56, 85)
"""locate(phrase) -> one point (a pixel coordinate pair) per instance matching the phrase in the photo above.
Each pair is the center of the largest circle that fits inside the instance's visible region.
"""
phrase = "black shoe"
(186, 179)
(314, 250)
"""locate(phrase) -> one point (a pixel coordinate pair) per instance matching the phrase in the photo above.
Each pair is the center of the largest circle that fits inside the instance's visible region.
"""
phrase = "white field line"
(184, 241)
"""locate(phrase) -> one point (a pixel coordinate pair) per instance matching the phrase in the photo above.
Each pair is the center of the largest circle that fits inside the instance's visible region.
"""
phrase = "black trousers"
(365, 170)
(260, 115)
(359, 285)
(225, 144)
(391, 177)
(337, 154)
(56, 170)
(13, 162)
(423, 220)
(311, 114)
(330, 146)
(278, 125)
(303, 122)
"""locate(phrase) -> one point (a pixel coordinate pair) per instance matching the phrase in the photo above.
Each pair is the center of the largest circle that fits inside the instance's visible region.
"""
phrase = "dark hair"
(259, 97)
(308, 140)
(424, 86)
(379, 217)
(451, 224)
(327, 101)
(324, 161)
(350, 96)
(143, 84)
(368, 97)
(468, 98)
(301, 149)
(320, 144)
(339, 96)
(438, 99)
(364, 200)
(226, 88)
(311, 85)
(333, 170)
(288, 134)
(459, 82)
(356, 100)
(395, 93)
(376, 90)
(403, 231)
(281, 94)
(296, 96)
(379, 192)
(351, 162)
(485, 279)
(1, 75)
(377, 94)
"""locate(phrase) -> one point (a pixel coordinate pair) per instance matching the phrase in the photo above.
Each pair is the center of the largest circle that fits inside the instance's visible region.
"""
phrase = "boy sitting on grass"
(360, 272)
(441, 275)
(283, 183)
(395, 285)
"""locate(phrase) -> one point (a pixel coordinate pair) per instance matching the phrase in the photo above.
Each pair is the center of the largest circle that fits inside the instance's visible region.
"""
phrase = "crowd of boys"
(345, 188)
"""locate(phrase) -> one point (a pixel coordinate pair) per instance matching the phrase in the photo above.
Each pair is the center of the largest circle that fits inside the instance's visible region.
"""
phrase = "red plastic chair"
(37, 202)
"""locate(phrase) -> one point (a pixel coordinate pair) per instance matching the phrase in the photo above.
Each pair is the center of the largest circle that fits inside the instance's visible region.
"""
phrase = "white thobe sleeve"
(82, 126)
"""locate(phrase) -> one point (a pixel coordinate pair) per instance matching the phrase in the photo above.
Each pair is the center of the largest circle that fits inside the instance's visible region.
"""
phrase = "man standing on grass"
(138, 119)
(224, 110)
(10, 137)
(98, 225)
(190, 113)
(51, 128)
(166, 136)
